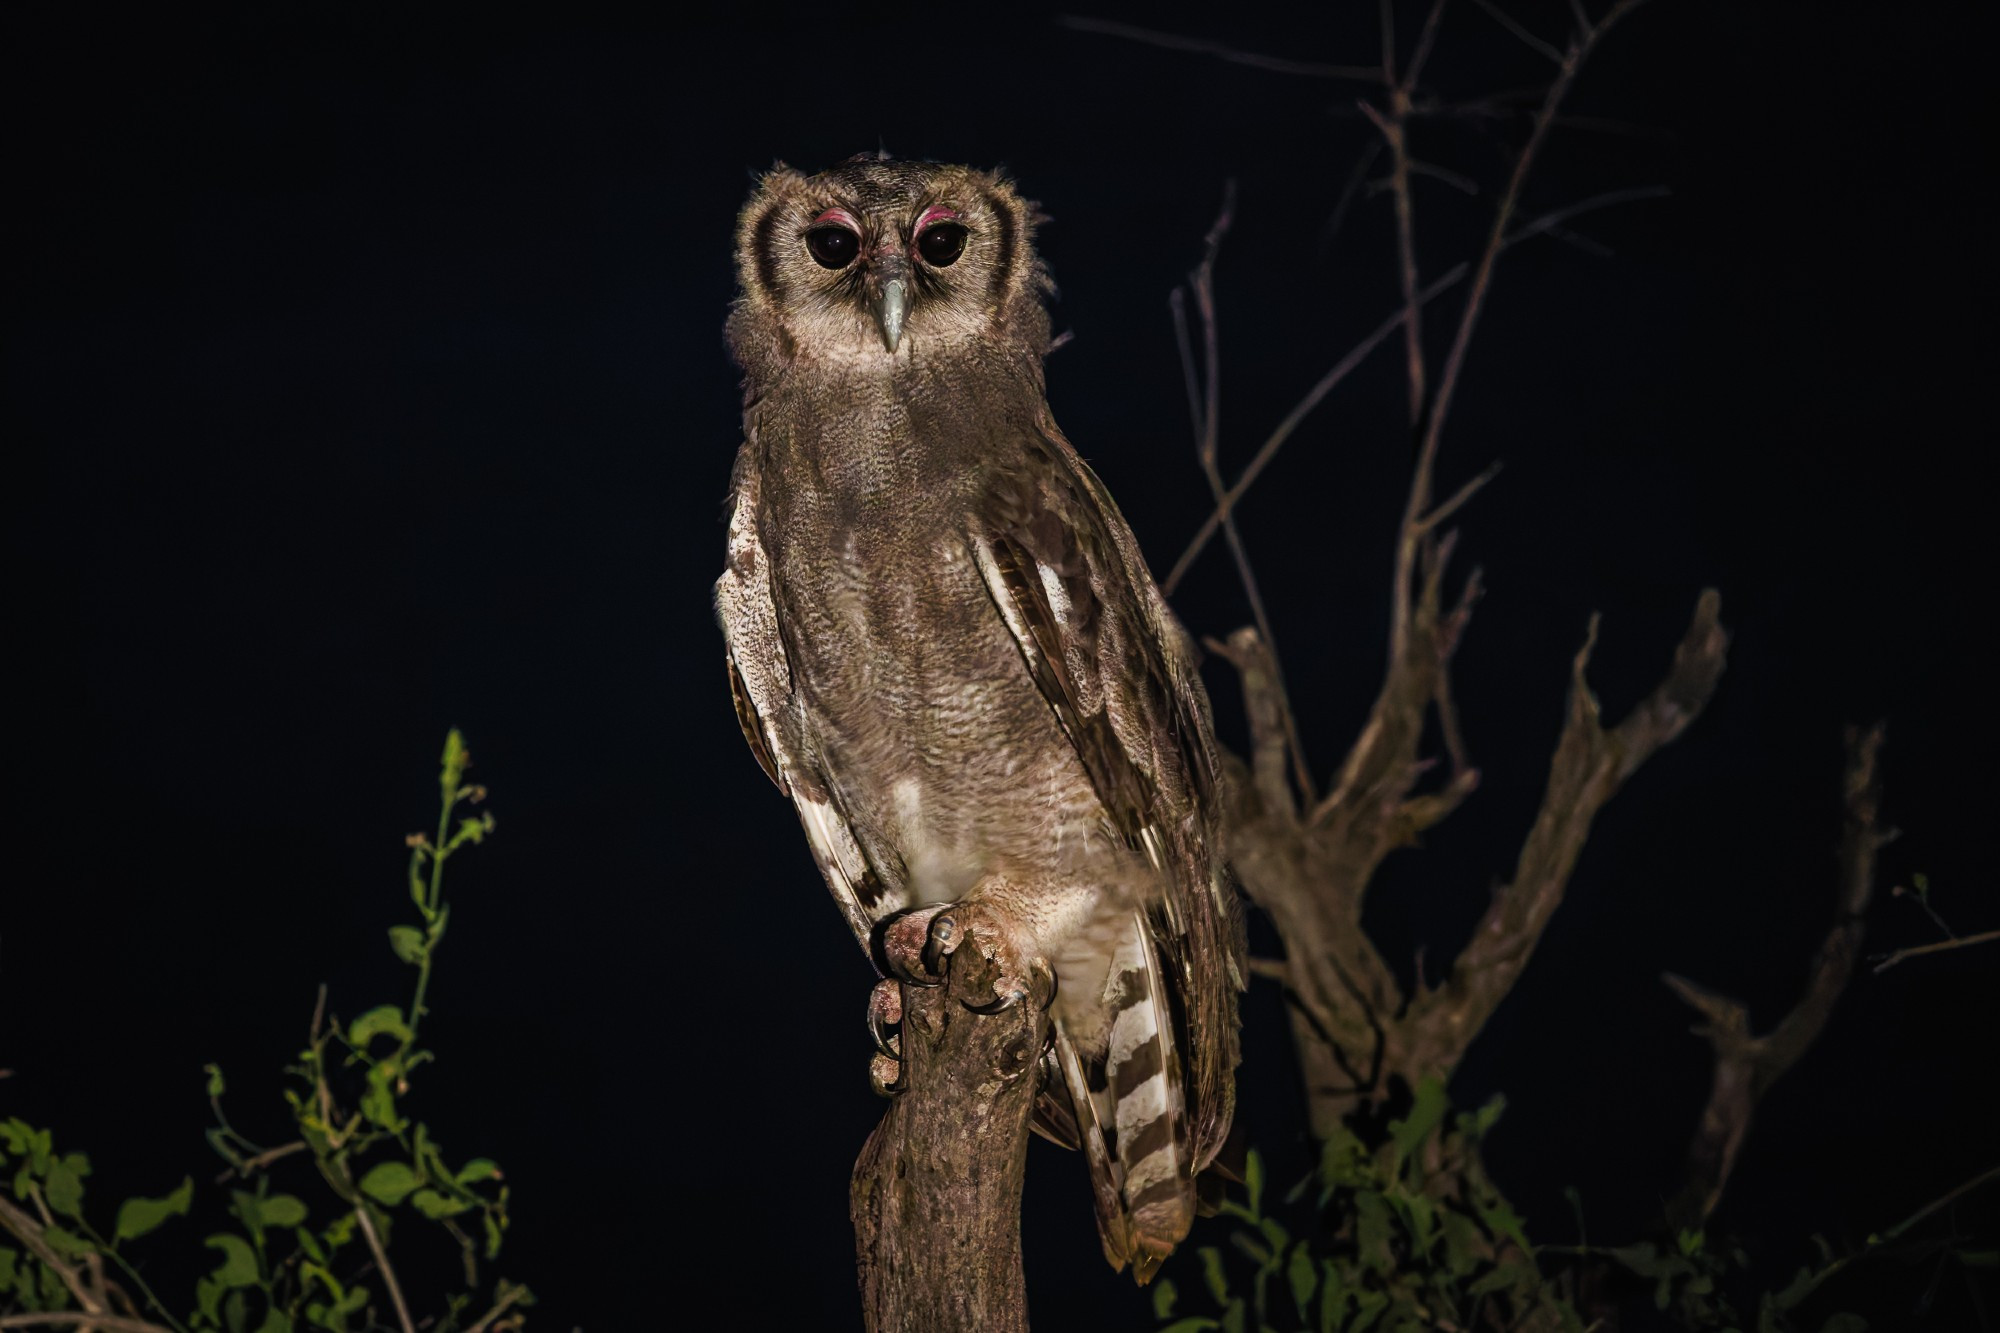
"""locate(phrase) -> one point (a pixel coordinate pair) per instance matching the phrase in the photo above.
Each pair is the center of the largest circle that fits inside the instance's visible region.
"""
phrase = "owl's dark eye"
(833, 247)
(941, 245)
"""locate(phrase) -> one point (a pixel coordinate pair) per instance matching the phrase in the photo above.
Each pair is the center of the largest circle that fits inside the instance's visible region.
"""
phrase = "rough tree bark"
(1746, 1066)
(936, 1196)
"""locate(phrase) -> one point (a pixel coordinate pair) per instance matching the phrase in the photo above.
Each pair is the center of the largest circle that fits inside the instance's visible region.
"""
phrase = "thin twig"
(1942, 946)
(499, 1307)
(382, 1266)
(1174, 41)
(1458, 498)
(1552, 220)
(1528, 39)
(1454, 364)
(1356, 178)
(1359, 353)
(110, 1323)
(262, 1160)
(26, 1230)
(1300, 411)
(1208, 426)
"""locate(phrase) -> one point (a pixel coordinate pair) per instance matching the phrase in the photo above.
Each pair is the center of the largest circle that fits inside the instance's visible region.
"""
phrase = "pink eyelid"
(935, 215)
(837, 217)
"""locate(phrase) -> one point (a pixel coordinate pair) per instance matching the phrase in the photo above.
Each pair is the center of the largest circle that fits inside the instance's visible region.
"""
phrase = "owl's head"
(878, 260)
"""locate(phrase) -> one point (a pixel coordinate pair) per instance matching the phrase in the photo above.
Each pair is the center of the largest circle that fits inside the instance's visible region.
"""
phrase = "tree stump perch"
(936, 1196)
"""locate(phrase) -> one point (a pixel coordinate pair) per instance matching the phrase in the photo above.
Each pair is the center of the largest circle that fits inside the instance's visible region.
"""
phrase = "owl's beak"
(892, 305)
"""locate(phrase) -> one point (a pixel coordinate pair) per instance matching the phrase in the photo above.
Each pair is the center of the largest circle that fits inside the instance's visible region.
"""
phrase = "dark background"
(364, 376)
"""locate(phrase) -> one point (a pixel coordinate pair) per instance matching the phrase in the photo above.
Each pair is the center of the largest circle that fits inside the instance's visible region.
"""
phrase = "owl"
(945, 648)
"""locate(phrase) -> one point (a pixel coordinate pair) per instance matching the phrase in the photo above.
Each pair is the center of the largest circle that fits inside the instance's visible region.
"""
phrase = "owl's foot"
(1013, 973)
(885, 1011)
(901, 945)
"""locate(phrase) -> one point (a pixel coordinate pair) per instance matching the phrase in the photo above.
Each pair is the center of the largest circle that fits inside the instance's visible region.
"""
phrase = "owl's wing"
(1119, 673)
(760, 680)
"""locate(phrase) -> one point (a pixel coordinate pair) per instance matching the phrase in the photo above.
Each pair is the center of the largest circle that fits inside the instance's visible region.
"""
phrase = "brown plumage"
(945, 647)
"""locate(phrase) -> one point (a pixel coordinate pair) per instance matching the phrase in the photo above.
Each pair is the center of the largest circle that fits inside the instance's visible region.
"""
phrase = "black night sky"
(364, 376)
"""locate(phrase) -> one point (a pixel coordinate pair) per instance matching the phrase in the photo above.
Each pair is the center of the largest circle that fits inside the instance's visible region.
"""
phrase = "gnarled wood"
(936, 1197)
(1746, 1066)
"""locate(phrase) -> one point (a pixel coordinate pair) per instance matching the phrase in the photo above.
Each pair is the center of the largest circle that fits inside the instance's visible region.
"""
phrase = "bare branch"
(1942, 946)
(1263, 702)
(1293, 419)
(1591, 762)
(1528, 39)
(383, 1267)
(1432, 425)
(1429, 522)
(1173, 41)
(109, 1323)
(1206, 399)
(1549, 222)
(1746, 1066)
(29, 1232)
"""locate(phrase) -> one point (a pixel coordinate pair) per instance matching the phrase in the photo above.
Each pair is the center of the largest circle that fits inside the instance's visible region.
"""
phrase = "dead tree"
(1307, 859)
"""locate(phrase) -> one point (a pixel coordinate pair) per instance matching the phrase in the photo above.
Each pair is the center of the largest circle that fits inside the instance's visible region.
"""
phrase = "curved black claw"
(901, 946)
(1002, 1004)
(1018, 991)
(939, 941)
(885, 1075)
(885, 1011)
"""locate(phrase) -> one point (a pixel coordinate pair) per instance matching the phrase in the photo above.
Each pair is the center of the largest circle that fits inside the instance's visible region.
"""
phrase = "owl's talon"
(885, 1075)
(885, 1011)
(902, 946)
(942, 939)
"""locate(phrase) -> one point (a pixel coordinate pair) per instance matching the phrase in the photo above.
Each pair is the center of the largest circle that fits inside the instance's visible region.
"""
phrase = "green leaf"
(1194, 1325)
(1303, 1276)
(1463, 1242)
(8, 1260)
(275, 1321)
(383, 1020)
(452, 765)
(136, 1217)
(434, 1205)
(67, 1243)
(208, 1298)
(1979, 1258)
(1259, 1255)
(1164, 1296)
(215, 1083)
(1233, 1318)
(389, 1182)
(1425, 1113)
(1253, 1181)
(1501, 1219)
(408, 943)
(476, 1170)
(1372, 1228)
(1212, 1274)
(283, 1210)
(378, 1104)
(63, 1189)
(239, 1261)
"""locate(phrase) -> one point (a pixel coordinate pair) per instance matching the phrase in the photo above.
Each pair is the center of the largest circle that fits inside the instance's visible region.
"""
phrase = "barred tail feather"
(1112, 1227)
(1144, 1094)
